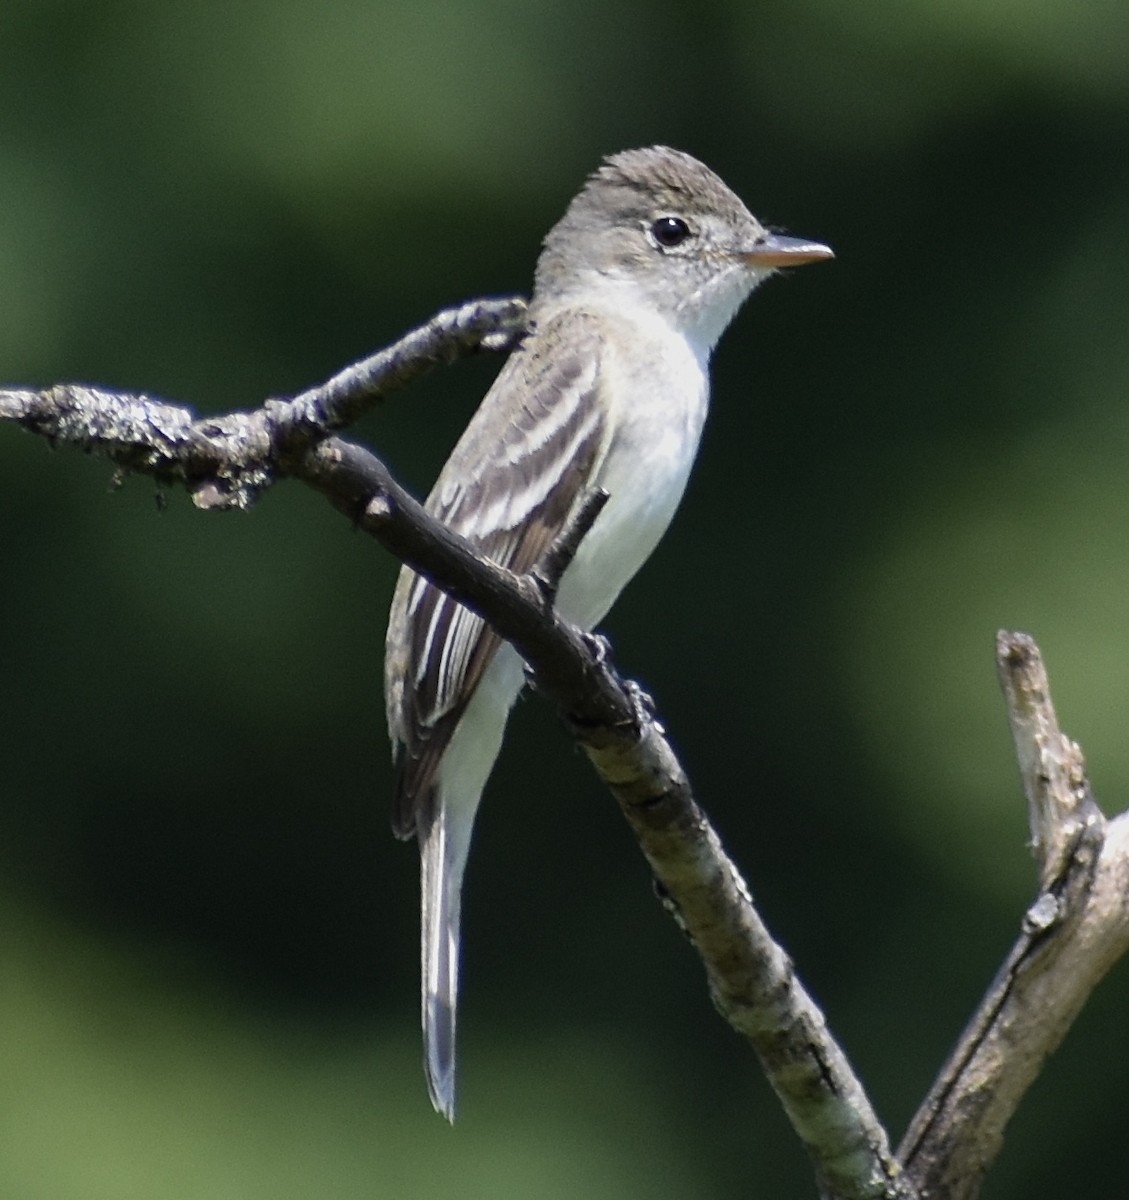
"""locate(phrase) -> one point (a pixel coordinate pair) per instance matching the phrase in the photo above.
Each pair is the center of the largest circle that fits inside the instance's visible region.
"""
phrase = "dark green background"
(208, 962)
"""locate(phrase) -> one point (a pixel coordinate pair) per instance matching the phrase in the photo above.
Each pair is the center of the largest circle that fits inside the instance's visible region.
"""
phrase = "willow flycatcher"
(634, 286)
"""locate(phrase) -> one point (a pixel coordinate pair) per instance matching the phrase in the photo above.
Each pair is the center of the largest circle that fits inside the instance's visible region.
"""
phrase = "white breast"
(657, 386)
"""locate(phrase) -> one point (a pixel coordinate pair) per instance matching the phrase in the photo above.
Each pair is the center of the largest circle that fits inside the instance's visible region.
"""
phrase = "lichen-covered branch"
(227, 461)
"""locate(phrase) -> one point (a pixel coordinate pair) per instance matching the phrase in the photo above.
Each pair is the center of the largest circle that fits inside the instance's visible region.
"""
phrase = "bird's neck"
(622, 302)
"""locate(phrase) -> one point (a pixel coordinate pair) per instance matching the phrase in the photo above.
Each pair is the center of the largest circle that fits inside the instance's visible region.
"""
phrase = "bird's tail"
(444, 842)
(443, 853)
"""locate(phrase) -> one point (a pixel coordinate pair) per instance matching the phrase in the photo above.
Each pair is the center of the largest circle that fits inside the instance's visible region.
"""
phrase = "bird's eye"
(670, 231)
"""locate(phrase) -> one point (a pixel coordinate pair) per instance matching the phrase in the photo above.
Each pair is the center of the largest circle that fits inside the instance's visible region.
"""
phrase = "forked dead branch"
(1075, 929)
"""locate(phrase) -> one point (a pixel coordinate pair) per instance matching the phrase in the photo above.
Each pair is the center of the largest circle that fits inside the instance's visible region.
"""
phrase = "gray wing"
(509, 487)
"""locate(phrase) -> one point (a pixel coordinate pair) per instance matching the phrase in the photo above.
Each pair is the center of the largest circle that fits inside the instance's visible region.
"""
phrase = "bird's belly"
(644, 475)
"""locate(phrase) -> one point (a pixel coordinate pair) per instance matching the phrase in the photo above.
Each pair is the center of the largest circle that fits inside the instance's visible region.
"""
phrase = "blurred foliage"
(208, 982)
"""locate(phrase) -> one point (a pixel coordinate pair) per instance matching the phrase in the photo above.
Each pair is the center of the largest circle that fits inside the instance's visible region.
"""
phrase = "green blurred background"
(208, 962)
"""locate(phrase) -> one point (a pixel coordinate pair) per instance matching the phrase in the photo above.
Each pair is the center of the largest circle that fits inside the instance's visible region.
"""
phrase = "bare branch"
(751, 978)
(226, 461)
(1077, 927)
(752, 981)
(1060, 805)
(449, 335)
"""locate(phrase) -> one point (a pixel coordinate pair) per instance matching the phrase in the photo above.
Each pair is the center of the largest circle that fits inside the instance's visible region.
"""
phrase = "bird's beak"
(774, 251)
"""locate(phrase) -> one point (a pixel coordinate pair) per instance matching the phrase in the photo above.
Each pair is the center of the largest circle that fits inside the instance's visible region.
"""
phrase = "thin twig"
(556, 560)
(449, 335)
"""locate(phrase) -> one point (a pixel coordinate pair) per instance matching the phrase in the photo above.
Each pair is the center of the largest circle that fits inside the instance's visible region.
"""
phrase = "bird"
(608, 390)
